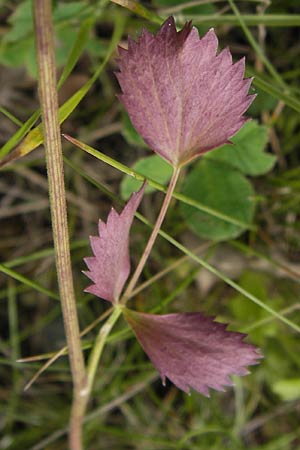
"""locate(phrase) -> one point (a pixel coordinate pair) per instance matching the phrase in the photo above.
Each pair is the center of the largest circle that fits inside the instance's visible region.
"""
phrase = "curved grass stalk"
(192, 255)
(138, 176)
(256, 47)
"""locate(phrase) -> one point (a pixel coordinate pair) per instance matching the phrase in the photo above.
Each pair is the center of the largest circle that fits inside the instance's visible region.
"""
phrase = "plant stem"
(106, 328)
(99, 345)
(52, 140)
(96, 354)
(153, 236)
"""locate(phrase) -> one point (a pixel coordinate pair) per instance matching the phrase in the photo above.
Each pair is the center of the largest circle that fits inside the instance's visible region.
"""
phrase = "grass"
(252, 281)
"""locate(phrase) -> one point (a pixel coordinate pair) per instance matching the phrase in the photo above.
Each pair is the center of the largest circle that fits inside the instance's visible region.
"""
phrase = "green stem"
(99, 345)
(96, 353)
(153, 236)
(49, 104)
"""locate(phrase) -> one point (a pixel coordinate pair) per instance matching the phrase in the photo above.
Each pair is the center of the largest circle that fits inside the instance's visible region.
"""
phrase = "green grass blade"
(140, 10)
(231, 283)
(77, 49)
(68, 107)
(43, 254)
(248, 250)
(268, 20)
(11, 273)
(35, 136)
(120, 398)
(278, 93)
(124, 169)
(256, 47)
(216, 272)
(21, 132)
(75, 54)
(10, 116)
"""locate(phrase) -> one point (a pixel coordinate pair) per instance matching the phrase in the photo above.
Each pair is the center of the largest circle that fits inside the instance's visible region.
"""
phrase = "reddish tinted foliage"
(181, 96)
(110, 267)
(184, 100)
(192, 350)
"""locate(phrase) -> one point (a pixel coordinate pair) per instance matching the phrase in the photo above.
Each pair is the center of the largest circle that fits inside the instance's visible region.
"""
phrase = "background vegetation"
(245, 222)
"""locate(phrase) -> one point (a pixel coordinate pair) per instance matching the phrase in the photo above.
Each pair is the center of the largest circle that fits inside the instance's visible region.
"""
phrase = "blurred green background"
(244, 222)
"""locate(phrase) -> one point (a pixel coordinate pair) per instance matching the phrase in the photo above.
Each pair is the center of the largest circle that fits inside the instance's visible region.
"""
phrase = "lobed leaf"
(181, 96)
(110, 266)
(223, 188)
(247, 152)
(192, 350)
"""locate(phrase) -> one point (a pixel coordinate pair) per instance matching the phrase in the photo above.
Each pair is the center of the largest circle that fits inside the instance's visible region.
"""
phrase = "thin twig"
(153, 236)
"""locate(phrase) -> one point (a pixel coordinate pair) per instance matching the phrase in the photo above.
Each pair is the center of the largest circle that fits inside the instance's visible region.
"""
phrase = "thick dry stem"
(52, 142)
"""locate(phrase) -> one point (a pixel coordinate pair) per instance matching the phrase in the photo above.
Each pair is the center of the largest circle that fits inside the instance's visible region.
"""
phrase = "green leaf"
(67, 11)
(64, 43)
(13, 54)
(247, 151)
(18, 46)
(223, 188)
(20, 21)
(152, 166)
(287, 389)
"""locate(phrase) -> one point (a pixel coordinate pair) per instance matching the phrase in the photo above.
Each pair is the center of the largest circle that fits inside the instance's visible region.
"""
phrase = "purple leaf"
(181, 96)
(110, 267)
(192, 350)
